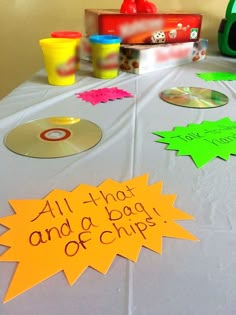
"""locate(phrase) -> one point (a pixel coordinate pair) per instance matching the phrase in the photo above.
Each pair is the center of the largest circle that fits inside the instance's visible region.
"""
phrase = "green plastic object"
(227, 31)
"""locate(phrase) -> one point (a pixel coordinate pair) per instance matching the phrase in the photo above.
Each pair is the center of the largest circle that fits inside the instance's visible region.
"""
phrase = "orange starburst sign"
(87, 227)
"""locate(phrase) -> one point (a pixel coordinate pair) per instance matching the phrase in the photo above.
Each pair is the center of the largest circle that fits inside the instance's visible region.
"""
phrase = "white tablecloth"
(189, 278)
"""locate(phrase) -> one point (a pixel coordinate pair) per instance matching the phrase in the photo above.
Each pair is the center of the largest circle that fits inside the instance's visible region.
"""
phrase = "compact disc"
(194, 97)
(53, 137)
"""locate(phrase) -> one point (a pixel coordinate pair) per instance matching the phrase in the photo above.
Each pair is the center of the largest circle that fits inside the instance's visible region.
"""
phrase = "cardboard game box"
(144, 28)
(147, 58)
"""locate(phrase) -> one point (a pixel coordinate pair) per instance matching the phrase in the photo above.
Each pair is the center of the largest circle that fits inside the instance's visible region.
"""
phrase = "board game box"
(147, 58)
(143, 28)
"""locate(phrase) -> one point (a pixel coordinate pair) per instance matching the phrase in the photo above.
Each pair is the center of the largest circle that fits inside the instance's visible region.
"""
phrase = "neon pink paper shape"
(103, 95)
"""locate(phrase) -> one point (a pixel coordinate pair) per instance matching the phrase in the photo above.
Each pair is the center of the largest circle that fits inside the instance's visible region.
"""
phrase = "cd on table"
(53, 137)
(194, 97)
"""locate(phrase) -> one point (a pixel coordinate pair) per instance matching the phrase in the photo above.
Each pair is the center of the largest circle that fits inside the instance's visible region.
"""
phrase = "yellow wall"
(24, 22)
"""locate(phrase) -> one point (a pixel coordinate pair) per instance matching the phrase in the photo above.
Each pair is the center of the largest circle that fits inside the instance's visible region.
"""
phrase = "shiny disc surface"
(194, 97)
(53, 137)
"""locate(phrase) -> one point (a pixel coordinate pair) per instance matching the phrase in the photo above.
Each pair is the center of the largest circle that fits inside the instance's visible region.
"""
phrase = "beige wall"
(24, 22)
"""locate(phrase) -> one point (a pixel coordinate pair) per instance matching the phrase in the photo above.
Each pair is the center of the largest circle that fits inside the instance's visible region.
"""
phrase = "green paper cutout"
(217, 76)
(203, 142)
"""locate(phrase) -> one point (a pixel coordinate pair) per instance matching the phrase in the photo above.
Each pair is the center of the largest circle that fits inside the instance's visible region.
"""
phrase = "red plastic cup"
(71, 35)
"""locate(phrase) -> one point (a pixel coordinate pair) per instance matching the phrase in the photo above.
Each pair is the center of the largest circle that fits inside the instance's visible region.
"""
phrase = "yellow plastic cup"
(59, 59)
(72, 35)
(105, 55)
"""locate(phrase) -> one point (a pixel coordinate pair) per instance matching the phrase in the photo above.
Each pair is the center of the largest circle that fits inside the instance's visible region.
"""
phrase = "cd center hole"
(55, 134)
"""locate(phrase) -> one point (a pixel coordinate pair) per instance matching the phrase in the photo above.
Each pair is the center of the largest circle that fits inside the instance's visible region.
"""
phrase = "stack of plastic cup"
(105, 55)
(59, 59)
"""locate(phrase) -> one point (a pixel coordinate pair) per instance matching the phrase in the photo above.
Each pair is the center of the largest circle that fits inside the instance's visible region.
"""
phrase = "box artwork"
(144, 28)
(146, 58)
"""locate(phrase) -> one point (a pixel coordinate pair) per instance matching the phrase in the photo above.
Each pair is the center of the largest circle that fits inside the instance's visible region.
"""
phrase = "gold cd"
(53, 137)
(194, 97)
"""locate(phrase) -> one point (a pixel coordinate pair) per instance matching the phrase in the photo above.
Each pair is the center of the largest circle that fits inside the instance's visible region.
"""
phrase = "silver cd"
(194, 97)
(53, 137)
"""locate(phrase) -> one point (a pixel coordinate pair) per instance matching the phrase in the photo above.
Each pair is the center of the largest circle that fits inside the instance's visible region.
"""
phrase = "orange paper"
(88, 227)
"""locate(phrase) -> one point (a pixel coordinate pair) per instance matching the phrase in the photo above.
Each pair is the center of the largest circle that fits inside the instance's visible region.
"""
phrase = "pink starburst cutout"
(103, 95)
